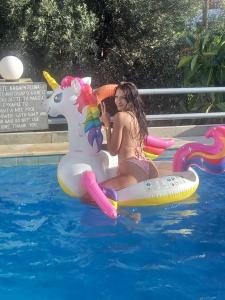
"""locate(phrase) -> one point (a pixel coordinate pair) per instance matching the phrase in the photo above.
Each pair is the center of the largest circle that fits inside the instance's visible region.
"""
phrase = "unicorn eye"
(58, 98)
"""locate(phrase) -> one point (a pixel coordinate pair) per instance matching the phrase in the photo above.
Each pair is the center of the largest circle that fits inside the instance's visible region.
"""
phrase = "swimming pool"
(53, 247)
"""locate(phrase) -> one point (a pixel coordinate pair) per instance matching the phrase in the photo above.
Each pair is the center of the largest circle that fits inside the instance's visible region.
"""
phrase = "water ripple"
(10, 245)
(7, 234)
(32, 225)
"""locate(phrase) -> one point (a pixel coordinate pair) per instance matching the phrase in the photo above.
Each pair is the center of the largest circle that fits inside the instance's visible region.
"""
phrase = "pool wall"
(47, 147)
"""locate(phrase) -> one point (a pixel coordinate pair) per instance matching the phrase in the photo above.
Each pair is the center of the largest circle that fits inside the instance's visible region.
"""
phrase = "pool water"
(54, 247)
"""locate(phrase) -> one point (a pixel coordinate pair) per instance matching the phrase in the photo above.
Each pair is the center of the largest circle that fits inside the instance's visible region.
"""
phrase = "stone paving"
(55, 142)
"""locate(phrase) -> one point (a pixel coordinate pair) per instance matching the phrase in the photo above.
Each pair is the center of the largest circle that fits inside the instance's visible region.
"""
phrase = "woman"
(127, 137)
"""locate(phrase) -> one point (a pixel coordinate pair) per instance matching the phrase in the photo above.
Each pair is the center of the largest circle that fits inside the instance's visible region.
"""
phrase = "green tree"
(111, 40)
(49, 34)
(203, 63)
(140, 41)
(130, 32)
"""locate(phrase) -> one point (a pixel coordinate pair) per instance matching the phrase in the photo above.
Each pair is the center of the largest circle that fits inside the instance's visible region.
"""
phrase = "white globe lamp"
(11, 68)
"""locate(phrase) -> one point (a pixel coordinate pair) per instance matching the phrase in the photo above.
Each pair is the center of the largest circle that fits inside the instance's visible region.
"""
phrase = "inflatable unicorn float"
(86, 165)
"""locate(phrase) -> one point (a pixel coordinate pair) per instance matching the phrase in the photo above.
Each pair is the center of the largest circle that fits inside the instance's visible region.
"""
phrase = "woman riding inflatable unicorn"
(86, 164)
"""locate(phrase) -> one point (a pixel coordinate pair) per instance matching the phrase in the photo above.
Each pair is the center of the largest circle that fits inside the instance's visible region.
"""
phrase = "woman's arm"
(113, 138)
(117, 134)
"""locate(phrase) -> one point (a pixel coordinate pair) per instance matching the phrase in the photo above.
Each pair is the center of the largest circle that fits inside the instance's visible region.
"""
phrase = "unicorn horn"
(50, 80)
(105, 91)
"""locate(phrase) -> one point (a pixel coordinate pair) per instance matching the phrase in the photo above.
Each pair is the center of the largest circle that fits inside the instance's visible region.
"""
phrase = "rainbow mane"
(93, 127)
(209, 158)
(92, 124)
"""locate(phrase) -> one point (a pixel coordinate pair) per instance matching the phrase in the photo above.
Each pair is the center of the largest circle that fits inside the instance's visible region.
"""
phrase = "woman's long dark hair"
(134, 105)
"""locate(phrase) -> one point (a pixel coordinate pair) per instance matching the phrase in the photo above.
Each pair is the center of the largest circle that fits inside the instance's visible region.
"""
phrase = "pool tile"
(27, 160)
(8, 161)
(48, 159)
(30, 160)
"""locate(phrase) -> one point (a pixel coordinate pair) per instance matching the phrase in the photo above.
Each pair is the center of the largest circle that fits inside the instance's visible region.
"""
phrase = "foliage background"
(109, 40)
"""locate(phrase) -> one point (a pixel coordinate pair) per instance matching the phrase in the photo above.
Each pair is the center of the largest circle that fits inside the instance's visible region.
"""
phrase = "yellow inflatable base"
(65, 189)
(161, 200)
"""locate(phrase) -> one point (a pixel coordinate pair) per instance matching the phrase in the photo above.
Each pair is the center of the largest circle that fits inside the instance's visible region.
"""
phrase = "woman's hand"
(105, 117)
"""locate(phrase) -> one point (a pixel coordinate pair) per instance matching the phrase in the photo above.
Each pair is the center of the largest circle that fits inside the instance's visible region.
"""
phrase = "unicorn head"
(76, 101)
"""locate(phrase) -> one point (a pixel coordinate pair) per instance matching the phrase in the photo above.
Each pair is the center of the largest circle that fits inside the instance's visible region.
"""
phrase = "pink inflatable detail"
(210, 158)
(153, 150)
(89, 183)
(86, 97)
(158, 142)
(156, 146)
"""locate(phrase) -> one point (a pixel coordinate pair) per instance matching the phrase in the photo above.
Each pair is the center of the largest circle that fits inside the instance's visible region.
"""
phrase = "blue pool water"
(53, 247)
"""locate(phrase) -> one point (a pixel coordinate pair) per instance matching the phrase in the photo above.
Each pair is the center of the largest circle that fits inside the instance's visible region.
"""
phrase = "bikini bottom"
(141, 163)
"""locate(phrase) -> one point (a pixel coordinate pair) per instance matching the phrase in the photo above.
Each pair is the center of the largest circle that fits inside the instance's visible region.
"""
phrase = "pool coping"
(32, 154)
(48, 147)
(51, 153)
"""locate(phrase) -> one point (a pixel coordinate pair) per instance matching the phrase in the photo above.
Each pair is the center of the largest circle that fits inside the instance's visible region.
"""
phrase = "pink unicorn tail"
(209, 158)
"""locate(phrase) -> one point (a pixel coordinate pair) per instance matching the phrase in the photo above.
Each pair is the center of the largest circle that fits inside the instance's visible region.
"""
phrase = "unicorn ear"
(76, 87)
(87, 80)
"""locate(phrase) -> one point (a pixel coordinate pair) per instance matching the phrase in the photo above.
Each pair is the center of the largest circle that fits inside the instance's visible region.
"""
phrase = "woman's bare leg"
(153, 171)
(119, 182)
(129, 174)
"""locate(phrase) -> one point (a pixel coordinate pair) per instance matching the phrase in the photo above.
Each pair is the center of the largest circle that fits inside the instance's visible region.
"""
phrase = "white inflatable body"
(168, 187)
(73, 164)
(84, 154)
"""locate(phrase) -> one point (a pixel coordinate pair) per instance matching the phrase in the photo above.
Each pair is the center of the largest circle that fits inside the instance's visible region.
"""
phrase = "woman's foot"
(136, 217)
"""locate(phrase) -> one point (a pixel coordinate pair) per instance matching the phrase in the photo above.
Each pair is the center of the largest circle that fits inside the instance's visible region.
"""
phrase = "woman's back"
(127, 137)
(131, 145)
